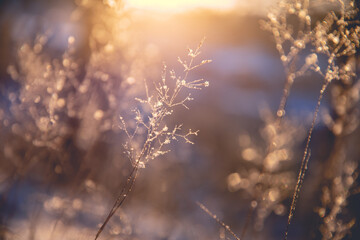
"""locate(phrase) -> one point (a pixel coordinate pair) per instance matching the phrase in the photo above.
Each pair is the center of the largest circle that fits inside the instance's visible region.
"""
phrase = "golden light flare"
(179, 5)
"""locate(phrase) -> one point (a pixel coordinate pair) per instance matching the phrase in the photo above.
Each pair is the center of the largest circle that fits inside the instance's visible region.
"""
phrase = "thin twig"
(226, 227)
(304, 161)
(121, 198)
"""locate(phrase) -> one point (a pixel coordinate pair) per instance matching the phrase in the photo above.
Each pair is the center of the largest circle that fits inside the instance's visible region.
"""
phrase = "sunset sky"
(179, 5)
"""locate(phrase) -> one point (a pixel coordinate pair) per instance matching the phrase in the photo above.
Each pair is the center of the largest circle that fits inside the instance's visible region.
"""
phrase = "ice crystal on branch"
(148, 137)
(335, 38)
(147, 134)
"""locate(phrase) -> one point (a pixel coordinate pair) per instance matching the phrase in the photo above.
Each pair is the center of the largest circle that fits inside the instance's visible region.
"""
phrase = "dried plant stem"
(121, 198)
(157, 133)
(280, 114)
(226, 227)
(298, 186)
(281, 110)
(304, 161)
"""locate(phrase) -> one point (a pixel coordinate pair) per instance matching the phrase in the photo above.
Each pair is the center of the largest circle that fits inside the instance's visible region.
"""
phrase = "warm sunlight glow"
(180, 5)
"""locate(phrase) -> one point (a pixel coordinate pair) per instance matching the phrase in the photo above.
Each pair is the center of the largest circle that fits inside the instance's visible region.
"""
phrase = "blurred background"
(69, 68)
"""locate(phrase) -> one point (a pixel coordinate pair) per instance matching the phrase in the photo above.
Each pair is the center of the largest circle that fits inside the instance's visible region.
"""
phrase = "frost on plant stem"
(335, 38)
(64, 106)
(341, 175)
(149, 136)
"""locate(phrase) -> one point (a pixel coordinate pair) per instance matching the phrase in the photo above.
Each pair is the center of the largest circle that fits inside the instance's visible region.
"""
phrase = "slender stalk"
(304, 161)
(226, 227)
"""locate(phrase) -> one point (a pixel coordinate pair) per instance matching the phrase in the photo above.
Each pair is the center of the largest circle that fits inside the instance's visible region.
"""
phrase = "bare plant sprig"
(334, 37)
(150, 136)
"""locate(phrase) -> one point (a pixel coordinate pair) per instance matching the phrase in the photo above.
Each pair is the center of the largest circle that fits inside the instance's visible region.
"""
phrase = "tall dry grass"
(88, 124)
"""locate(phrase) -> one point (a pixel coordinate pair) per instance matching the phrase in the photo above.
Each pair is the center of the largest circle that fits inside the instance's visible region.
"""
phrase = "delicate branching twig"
(140, 147)
(332, 37)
